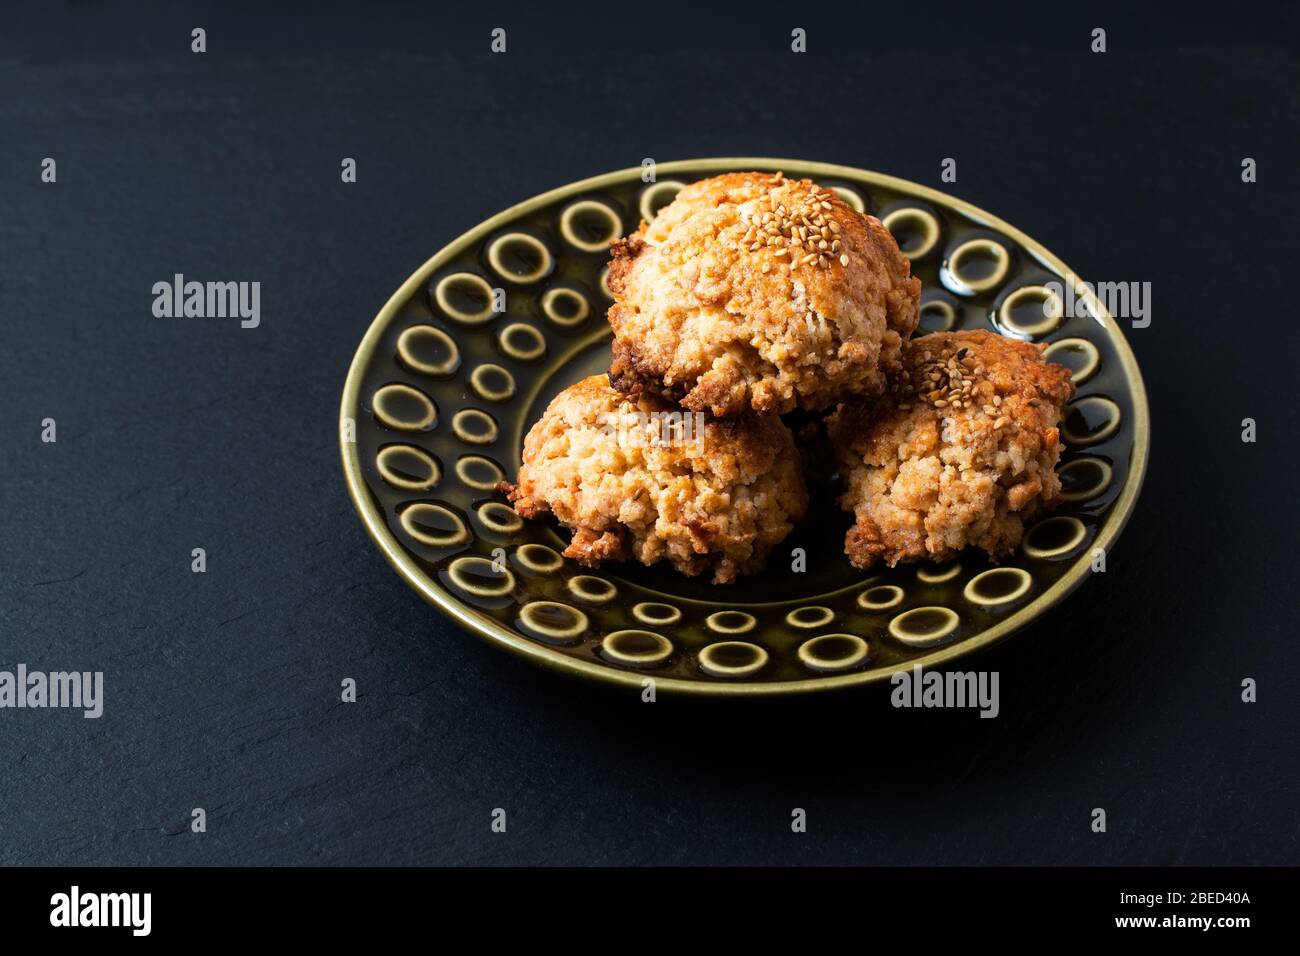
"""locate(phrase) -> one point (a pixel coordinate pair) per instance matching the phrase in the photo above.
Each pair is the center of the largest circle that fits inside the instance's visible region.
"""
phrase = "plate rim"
(485, 627)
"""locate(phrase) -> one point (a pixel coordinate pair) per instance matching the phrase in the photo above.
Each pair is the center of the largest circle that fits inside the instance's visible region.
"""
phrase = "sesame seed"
(799, 223)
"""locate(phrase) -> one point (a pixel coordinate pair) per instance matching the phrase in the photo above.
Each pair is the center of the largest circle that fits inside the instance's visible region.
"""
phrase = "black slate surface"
(222, 688)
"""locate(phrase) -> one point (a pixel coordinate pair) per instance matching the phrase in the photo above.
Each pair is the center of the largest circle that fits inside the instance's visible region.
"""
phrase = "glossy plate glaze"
(443, 389)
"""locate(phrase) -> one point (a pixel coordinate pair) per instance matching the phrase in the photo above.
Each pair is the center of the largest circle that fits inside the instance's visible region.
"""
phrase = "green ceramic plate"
(443, 389)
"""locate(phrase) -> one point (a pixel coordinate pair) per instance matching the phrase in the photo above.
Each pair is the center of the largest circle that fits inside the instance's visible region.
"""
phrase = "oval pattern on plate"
(538, 558)
(565, 307)
(519, 257)
(1090, 421)
(591, 589)
(428, 350)
(937, 315)
(475, 426)
(465, 297)
(1054, 537)
(810, 617)
(915, 230)
(590, 225)
(925, 626)
(732, 659)
(1030, 312)
(998, 586)
(1080, 356)
(880, 598)
(938, 573)
(655, 612)
(407, 467)
(498, 518)
(434, 524)
(1083, 479)
(553, 621)
(657, 195)
(492, 383)
(480, 577)
(833, 652)
(405, 408)
(975, 266)
(479, 473)
(850, 196)
(522, 342)
(636, 648)
(731, 622)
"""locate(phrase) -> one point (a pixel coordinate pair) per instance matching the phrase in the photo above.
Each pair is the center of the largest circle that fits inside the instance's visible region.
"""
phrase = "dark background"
(222, 688)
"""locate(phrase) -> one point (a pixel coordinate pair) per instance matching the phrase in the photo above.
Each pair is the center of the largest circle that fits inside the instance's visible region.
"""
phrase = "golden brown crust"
(961, 452)
(642, 479)
(752, 291)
